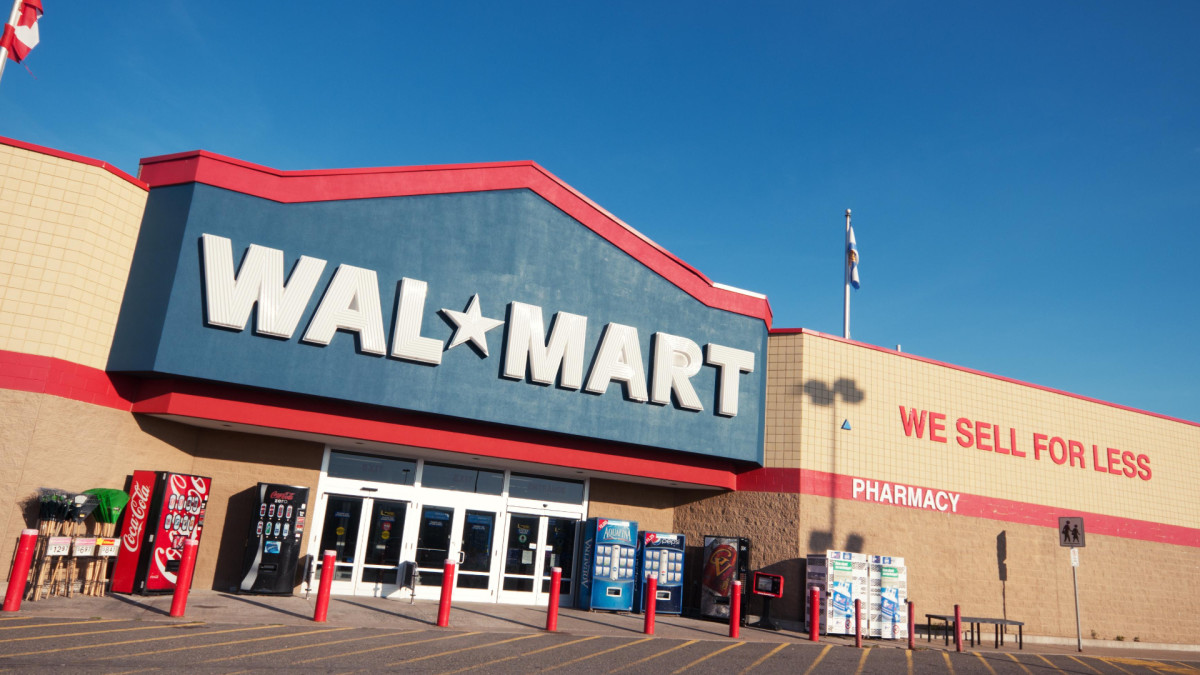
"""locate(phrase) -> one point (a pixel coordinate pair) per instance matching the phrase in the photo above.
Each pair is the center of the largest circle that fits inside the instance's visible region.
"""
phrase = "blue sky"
(1024, 176)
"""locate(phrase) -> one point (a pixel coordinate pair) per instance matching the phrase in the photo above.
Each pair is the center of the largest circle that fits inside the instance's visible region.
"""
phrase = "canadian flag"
(21, 37)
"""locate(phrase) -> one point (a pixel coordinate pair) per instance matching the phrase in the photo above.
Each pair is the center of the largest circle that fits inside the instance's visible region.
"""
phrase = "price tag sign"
(106, 548)
(58, 546)
(85, 547)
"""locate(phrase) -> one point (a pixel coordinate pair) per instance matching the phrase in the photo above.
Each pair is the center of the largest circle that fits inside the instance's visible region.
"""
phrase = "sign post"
(1070, 534)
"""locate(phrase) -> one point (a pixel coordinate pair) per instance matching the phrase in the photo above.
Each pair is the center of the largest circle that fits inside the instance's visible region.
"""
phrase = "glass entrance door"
(368, 535)
(535, 544)
(466, 536)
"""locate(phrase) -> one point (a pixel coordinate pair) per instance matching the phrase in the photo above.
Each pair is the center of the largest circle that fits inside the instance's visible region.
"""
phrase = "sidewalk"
(229, 608)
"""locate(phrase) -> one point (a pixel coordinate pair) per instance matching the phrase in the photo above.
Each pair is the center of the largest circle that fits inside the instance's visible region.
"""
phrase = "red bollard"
(957, 629)
(183, 582)
(735, 609)
(552, 608)
(20, 570)
(651, 604)
(814, 614)
(327, 562)
(443, 619)
(911, 626)
(857, 623)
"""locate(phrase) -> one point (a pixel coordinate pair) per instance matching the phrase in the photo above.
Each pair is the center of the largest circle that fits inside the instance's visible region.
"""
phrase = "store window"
(539, 488)
(371, 467)
(462, 479)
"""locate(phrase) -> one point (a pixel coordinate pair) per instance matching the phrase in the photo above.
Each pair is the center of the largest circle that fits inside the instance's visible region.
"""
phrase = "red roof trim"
(972, 371)
(74, 158)
(338, 184)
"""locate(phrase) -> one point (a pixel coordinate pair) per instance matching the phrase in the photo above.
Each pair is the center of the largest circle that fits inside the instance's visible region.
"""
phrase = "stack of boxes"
(880, 583)
(841, 578)
(888, 598)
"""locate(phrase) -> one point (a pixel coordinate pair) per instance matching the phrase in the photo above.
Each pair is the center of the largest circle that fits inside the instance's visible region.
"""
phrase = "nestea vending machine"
(608, 565)
(660, 555)
(726, 559)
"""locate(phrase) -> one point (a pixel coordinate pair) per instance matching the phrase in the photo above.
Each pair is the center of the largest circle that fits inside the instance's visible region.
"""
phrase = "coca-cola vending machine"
(273, 543)
(164, 510)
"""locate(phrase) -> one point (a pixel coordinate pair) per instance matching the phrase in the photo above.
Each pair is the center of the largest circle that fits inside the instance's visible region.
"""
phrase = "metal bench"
(973, 623)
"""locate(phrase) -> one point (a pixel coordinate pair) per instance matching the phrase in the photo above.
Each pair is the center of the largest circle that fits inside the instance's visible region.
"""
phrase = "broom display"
(81, 507)
(110, 503)
(54, 506)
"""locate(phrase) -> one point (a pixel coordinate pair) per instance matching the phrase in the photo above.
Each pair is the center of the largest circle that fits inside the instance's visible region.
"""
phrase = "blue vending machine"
(608, 565)
(661, 555)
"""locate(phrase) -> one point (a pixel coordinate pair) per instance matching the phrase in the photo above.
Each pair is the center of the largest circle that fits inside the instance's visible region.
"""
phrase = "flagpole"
(12, 21)
(846, 273)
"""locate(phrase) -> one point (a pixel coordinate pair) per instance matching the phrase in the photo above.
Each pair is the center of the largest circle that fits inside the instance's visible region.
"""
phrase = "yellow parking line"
(1080, 662)
(310, 646)
(705, 658)
(985, 663)
(376, 649)
(1109, 661)
(949, 666)
(600, 653)
(65, 623)
(862, 661)
(1189, 667)
(75, 635)
(464, 649)
(1050, 663)
(521, 655)
(653, 656)
(223, 644)
(908, 661)
(818, 659)
(766, 656)
(108, 645)
(1022, 665)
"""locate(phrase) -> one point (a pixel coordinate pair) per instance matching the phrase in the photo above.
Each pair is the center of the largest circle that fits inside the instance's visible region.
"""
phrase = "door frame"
(536, 596)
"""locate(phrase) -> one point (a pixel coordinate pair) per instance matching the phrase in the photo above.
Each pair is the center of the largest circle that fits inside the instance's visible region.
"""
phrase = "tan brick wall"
(652, 508)
(67, 234)
(47, 441)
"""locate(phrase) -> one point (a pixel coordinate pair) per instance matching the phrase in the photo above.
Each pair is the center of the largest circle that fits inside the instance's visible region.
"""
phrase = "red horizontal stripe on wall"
(836, 486)
(48, 375)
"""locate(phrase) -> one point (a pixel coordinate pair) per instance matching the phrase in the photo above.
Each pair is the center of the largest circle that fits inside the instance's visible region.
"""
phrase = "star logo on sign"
(470, 326)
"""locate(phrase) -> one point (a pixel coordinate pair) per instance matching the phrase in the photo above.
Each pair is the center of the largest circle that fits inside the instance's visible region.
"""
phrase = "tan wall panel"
(67, 234)
(840, 382)
(652, 508)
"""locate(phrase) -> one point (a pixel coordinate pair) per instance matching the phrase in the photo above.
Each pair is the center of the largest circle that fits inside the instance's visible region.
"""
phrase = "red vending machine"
(164, 510)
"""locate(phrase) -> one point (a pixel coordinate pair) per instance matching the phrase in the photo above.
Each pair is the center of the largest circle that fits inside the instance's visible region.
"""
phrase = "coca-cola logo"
(287, 496)
(139, 504)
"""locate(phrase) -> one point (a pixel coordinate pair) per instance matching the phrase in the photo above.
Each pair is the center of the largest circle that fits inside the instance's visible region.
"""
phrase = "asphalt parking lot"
(227, 633)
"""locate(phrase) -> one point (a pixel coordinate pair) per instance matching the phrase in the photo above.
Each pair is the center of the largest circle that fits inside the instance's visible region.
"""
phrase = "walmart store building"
(483, 346)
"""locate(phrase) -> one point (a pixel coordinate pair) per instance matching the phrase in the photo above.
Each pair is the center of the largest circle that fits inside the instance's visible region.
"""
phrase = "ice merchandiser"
(273, 542)
(608, 565)
(661, 555)
(726, 559)
(164, 510)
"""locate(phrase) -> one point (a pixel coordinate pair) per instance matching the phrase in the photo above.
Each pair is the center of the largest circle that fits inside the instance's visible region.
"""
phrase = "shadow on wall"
(828, 395)
(1002, 568)
(235, 534)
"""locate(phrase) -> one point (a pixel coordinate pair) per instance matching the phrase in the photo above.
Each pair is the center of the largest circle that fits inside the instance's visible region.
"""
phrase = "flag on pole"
(852, 259)
(21, 36)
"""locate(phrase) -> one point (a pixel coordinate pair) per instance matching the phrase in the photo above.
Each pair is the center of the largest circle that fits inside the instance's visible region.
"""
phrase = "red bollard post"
(857, 623)
(183, 582)
(735, 609)
(552, 608)
(957, 629)
(911, 626)
(651, 604)
(20, 570)
(814, 614)
(327, 562)
(448, 569)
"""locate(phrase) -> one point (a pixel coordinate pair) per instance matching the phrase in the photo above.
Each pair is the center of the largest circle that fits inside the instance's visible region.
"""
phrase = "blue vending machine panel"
(661, 555)
(608, 565)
